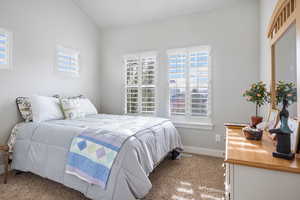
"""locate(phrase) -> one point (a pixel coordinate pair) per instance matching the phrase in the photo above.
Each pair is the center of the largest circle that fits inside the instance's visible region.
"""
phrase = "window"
(189, 82)
(140, 83)
(67, 60)
(5, 49)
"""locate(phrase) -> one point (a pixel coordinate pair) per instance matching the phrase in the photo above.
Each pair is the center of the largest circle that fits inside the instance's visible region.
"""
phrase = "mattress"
(42, 148)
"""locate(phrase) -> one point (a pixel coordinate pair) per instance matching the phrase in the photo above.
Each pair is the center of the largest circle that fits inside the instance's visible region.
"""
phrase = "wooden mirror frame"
(286, 13)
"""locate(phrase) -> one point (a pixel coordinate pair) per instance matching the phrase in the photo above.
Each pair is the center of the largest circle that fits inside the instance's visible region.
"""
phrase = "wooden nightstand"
(5, 150)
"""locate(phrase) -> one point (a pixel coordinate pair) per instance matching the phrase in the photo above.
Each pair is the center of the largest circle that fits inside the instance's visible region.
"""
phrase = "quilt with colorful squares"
(92, 155)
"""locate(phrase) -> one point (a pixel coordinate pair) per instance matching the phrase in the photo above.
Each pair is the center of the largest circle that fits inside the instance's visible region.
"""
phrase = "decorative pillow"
(45, 108)
(71, 108)
(86, 106)
(24, 106)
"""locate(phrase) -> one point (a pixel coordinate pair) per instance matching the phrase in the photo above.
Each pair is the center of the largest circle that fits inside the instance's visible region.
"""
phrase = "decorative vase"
(256, 120)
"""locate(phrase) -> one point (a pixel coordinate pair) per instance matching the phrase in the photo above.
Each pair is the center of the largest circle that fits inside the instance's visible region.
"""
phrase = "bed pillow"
(71, 108)
(87, 107)
(24, 106)
(45, 108)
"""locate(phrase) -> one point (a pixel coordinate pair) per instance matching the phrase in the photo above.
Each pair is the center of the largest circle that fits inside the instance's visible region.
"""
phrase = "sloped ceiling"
(111, 13)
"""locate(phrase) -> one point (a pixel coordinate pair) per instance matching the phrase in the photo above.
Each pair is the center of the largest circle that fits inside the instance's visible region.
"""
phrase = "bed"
(42, 148)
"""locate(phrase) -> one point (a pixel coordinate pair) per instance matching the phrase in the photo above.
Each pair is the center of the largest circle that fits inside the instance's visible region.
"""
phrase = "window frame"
(8, 66)
(187, 120)
(140, 85)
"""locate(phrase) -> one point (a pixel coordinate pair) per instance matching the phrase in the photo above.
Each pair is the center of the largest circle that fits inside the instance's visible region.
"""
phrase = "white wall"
(266, 10)
(38, 25)
(231, 31)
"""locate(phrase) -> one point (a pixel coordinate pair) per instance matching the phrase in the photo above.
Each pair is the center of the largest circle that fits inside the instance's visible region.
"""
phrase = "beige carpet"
(190, 178)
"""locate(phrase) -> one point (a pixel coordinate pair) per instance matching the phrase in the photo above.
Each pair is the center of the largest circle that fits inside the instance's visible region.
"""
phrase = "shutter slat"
(189, 81)
(199, 82)
(177, 83)
(148, 84)
(140, 78)
(4, 48)
(67, 59)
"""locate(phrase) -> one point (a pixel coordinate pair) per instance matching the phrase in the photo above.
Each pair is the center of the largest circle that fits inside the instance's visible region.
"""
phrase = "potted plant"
(257, 94)
(286, 91)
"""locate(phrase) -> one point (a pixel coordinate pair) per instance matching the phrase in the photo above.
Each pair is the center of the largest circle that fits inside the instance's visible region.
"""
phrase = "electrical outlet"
(218, 138)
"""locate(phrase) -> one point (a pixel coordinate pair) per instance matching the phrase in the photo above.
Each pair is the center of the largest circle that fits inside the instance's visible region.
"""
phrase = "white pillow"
(45, 108)
(87, 107)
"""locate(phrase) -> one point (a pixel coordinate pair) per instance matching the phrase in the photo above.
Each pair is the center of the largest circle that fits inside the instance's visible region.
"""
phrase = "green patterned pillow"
(71, 108)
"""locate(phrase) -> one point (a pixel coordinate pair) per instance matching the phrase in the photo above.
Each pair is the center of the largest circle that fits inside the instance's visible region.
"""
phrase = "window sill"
(193, 125)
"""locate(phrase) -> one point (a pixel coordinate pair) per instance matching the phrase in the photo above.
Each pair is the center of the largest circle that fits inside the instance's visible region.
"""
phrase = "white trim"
(193, 125)
(204, 151)
(191, 48)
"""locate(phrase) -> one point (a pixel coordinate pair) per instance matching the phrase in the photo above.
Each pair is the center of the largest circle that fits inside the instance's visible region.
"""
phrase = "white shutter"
(140, 83)
(177, 81)
(5, 49)
(67, 60)
(148, 83)
(132, 64)
(189, 81)
(199, 82)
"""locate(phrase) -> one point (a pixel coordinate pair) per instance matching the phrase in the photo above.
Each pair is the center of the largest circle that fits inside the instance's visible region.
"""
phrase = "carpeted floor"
(190, 178)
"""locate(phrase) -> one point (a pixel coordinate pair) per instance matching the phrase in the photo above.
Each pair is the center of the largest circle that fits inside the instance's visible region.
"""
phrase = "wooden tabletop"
(258, 154)
(4, 148)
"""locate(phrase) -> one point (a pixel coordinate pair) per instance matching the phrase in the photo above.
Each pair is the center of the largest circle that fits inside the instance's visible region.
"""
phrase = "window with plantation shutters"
(5, 49)
(67, 60)
(132, 64)
(140, 83)
(177, 82)
(189, 82)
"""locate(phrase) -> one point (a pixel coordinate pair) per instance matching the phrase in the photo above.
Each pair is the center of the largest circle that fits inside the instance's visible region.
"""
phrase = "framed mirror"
(286, 62)
(284, 37)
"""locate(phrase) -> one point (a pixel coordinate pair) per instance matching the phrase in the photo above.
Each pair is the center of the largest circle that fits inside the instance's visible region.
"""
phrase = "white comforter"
(42, 148)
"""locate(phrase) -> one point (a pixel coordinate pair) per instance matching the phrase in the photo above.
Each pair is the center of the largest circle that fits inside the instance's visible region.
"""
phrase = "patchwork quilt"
(92, 155)
(93, 152)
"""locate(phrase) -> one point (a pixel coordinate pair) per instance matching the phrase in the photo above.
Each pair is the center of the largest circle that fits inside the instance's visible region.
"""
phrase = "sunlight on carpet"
(189, 178)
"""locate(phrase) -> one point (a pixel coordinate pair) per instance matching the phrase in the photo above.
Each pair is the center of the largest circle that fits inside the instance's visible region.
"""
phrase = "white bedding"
(42, 148)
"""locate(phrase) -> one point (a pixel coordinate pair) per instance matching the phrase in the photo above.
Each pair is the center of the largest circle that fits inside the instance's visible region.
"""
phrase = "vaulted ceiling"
(110, 13)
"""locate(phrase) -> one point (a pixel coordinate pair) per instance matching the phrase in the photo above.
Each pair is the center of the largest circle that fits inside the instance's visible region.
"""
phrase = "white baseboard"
(204, 151)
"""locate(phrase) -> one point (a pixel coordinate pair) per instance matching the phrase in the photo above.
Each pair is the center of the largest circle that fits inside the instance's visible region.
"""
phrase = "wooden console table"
(252, 172)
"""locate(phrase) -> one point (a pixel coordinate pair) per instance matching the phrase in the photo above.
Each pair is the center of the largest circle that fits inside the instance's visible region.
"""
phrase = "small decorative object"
(257, 94)
(67, 60)
(285, 94)
(272, 119)
(283, 149)
(252, 133)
